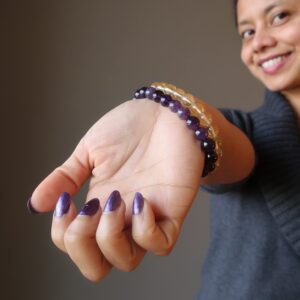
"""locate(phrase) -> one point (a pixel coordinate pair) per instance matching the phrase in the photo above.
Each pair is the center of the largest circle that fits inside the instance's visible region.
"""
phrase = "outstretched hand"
(139, 146)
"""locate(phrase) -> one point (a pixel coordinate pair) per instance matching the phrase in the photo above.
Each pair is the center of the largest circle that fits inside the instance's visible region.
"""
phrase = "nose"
(263, 39)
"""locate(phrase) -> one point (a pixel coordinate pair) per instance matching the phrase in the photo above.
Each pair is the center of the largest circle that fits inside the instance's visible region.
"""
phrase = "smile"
(272, 65)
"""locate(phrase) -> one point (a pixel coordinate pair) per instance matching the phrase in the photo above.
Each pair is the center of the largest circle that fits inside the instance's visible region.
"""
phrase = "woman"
(255, 238)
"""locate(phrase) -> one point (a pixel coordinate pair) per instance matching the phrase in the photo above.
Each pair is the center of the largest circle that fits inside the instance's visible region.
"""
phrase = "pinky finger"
(156, 237)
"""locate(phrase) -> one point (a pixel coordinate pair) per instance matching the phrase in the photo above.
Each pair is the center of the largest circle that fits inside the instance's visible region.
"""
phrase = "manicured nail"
(113, 201)
(30, 208)
(90, 208)
(62, 205)
(138, 203)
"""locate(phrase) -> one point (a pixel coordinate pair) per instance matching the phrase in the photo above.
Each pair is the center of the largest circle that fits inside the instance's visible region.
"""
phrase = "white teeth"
(272, 62)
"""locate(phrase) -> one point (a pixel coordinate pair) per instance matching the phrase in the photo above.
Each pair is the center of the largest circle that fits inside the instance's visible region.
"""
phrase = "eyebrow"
(265, 11)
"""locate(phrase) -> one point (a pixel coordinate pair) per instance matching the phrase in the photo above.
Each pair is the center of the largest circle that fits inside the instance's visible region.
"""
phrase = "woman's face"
(270, 31)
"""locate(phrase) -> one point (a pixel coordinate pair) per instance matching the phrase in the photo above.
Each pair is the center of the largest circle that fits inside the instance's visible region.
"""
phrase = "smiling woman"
(271, 41)
(254, 250)
(147, 169)
(270, 32)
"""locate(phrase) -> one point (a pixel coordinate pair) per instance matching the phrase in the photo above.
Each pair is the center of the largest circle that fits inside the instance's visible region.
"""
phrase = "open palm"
(139, 146)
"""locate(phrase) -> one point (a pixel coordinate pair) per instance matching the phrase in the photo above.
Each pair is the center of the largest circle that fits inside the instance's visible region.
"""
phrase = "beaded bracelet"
(186, 107)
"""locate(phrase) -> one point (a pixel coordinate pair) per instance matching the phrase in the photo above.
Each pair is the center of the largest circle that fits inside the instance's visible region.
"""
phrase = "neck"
(293, 97)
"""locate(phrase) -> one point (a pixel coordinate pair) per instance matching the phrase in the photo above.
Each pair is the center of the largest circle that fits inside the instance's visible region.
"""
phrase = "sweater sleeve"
(244, 122)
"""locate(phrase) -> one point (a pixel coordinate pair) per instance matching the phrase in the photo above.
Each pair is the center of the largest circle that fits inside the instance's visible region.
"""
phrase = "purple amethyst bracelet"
(166, 95)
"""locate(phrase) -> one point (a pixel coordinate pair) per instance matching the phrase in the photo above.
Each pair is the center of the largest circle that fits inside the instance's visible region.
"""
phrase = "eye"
(280, 18)
(246, 34)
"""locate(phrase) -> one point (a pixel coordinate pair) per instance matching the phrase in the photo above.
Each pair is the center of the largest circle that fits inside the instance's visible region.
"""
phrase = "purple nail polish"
(138, 204)
(90, 207)
(62, 205)
(30, 208)
(113, 202)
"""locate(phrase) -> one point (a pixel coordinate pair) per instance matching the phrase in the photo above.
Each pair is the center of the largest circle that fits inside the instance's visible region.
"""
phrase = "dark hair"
(235, 11)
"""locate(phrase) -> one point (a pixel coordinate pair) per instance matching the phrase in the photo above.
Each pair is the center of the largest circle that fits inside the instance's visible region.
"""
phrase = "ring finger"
(116, 242)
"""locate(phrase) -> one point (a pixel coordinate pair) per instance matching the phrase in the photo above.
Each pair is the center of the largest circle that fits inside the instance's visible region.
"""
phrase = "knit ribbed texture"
(254, 248)
(277, 141)
(273, 130)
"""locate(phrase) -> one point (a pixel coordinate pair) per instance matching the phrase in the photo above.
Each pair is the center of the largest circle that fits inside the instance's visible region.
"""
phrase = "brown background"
(63, 65)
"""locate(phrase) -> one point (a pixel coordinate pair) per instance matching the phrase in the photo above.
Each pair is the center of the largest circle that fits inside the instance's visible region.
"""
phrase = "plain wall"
(64, 64)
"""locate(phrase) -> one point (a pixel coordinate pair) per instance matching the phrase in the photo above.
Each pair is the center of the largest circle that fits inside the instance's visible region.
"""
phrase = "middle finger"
(81, 245)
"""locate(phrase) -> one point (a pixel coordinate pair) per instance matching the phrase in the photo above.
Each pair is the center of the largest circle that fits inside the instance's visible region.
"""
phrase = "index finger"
(69, 177)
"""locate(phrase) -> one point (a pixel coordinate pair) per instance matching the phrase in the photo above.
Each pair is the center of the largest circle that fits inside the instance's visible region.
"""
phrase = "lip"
(272, 70)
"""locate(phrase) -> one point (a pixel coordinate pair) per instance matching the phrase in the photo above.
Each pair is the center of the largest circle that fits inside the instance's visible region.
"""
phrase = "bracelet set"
(186, 107)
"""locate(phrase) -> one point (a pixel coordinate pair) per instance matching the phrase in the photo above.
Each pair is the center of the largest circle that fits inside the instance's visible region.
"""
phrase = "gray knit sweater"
(254, 249)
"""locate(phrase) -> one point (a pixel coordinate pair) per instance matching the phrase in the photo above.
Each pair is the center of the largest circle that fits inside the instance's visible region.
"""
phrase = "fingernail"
(62, 205)
(30, 208)
(113, 201)
(138, 204)
(90, 208)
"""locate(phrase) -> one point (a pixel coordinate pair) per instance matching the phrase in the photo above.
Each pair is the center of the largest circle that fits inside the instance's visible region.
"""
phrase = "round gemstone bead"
(201, 133)
(140, 93)
(183, 113)
(211, 157)
(208, 167)
(165, 100)
(208, 145)
(174, 105)
(157, 95)
(192, 122)
(149, 92)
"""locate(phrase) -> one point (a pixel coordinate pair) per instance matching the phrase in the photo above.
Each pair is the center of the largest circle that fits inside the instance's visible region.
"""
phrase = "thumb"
(69, 177)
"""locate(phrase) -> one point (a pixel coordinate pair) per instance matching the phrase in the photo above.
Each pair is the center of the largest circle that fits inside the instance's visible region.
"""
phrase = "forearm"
(238, 158)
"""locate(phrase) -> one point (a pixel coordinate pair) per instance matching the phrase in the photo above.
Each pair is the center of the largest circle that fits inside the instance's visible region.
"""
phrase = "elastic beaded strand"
(187, 109)
(189, 101)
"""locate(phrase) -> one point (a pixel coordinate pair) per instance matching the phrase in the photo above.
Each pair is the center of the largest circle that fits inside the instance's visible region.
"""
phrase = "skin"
(159, 158)
(268, 28)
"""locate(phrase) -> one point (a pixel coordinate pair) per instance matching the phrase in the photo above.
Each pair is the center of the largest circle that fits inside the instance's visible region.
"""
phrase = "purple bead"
(183, 113)
(192, 122)
(157, 95)
(165, 100)
(149, 92)
(208, 167)
(208, 145)
(211, 157)
(140, 93)
(201, 133)
(174, 105)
